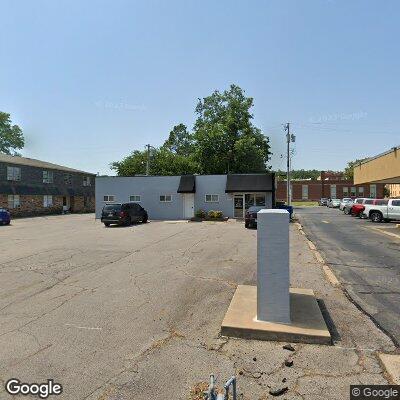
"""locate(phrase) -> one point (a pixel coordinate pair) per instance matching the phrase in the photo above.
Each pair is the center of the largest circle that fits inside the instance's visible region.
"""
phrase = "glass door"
(238, 206)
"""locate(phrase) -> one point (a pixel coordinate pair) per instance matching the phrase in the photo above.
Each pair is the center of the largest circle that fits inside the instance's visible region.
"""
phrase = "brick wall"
(33, 205)
(81, 206)
(318, 189)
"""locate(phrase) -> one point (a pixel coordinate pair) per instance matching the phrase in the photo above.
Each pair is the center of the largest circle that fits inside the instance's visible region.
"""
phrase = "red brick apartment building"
(329, 184)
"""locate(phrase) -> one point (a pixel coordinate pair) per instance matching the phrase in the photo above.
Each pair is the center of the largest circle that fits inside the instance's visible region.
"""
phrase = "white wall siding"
(213, 184)
(148, 188)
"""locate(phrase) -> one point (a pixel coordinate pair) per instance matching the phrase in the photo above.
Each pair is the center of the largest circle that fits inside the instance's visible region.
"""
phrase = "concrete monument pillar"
(273, 298)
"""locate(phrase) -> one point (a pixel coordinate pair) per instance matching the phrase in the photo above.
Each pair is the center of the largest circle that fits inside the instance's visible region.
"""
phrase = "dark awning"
(187, 184)
(249, 183)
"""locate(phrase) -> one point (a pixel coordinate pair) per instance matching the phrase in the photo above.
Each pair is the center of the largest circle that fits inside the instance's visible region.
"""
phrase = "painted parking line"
(325, 222)
(395, 235)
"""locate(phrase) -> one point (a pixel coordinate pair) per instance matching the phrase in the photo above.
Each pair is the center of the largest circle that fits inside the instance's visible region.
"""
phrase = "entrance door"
(188, 205)
(238, 206)
(72, 203)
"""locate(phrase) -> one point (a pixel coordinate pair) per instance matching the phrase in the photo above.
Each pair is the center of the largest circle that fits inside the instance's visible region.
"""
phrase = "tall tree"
(225, 138)
(180, 141)
(11, 137)
(349, 170)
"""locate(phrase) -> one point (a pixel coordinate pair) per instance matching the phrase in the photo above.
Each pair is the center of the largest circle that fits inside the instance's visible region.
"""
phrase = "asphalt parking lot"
(135, 312)
(366, 260)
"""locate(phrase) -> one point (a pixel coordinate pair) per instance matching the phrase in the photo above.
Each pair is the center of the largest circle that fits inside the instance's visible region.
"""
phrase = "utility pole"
(289, 138)
(148, 147)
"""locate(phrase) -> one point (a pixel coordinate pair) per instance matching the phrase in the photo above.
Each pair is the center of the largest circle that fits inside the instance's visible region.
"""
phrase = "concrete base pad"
(307, 326)
(391, 362)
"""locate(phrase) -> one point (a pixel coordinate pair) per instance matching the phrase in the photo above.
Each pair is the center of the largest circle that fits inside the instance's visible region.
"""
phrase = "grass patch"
(304, 203)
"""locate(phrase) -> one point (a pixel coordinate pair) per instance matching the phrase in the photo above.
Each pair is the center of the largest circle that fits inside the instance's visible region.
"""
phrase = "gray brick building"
(34, 187)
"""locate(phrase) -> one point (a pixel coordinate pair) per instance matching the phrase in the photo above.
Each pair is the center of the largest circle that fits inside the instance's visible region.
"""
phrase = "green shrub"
(200, 214)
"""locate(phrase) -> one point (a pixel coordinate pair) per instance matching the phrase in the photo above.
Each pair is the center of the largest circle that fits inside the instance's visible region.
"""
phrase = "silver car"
(334, 203)
(344, 201)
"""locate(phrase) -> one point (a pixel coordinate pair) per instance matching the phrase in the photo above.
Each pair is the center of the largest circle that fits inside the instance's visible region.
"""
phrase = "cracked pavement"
(135, 312)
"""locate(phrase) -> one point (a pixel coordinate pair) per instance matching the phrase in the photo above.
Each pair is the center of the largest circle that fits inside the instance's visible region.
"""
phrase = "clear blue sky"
(89, 81)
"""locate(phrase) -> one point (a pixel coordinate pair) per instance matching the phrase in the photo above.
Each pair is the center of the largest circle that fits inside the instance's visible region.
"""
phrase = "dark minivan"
(123, 214)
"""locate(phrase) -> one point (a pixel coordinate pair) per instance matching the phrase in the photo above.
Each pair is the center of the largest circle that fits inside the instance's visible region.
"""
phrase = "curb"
(329, 275)
(391, 363)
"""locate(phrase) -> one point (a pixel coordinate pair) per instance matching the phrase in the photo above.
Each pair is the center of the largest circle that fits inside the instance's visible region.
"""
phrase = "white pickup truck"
(378, 213)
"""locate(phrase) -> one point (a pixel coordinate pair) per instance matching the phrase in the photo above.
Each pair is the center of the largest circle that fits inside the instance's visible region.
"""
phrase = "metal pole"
(148, 160)
(288, 197)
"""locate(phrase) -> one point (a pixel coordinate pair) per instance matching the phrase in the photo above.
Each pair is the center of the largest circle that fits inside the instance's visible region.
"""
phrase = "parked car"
(5, 217)
(323, 201)
(368, 202)
(347, 208)
(383, 212)
(334, 203)
(250, 217)
(345, 201)
(123, 214)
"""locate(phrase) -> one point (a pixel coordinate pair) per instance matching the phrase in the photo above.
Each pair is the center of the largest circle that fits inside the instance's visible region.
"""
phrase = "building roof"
(392, 150)
(31, 162)
(249, 183)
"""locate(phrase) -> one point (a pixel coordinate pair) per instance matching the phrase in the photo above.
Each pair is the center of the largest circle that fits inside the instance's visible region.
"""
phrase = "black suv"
(123, 214)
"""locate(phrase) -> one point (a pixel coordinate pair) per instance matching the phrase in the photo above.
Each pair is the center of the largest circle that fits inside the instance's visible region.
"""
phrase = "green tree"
(180, 141)
(300, 174)
(225, 138)
(11, 137)
(134, 164)
(162, 162)
(349, 170)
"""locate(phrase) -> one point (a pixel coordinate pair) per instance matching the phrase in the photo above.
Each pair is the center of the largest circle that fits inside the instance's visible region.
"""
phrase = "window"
(13, 201)
(370, 201)
(333, 191)
(68, 179)
(165, 198)
(212, 198)
(372, 191)
(381, 202)
(13, 173)
(304, 192)
(135, 198)
(109, 197)
(396, 203)
(353, 192)
(87, 181)
(260, 199)
(345, 191)
(47, 200)
(48, 176)
(361, 190)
